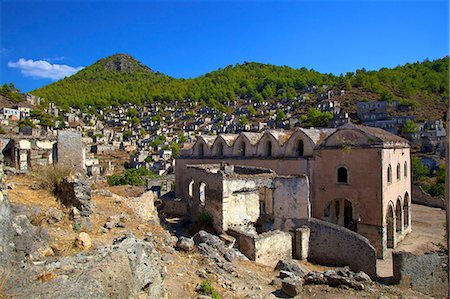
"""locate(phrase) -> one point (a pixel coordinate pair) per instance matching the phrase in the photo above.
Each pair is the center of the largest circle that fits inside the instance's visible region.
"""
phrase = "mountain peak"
(122, 63)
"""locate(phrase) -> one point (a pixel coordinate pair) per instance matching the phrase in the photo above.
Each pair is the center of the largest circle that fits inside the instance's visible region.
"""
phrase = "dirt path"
(428, 230)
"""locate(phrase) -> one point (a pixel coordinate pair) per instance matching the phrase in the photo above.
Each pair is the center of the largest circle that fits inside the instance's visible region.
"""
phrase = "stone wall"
(426, 273)
(5, 219)
(174, 206)
(76, 192)
(291, 201)
(422, 198)
(267, 248)
(330, 244)
(70, 149)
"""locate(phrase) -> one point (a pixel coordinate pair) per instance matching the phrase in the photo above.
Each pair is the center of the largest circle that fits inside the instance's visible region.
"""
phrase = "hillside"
(120, 79)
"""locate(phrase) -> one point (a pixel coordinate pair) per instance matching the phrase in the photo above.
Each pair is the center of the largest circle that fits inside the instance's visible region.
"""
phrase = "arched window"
(220, 150)
(406, 215)
(201, 151)
(300, 148)
(405, 169)
(389, 174)
(268, 149)
(243, 148)
(342, 175)
(398, 171)
(191, 188)
(202, 194)
(399, 216)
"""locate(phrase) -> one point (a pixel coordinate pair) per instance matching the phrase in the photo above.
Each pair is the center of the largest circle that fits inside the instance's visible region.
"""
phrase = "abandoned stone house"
(354, 176)
(27, 152)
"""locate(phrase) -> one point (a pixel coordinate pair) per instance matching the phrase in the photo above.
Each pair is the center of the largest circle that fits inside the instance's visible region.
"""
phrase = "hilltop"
(122, 79)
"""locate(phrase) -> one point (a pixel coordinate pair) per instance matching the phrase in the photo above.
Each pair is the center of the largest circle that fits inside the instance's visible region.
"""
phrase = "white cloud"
(43, 69)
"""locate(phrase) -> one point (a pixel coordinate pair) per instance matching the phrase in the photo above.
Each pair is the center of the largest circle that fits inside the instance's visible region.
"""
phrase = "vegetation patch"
(134, 177)
(206, 288)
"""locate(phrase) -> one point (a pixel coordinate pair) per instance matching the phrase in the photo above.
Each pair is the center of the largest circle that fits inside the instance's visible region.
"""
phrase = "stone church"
(358, 177)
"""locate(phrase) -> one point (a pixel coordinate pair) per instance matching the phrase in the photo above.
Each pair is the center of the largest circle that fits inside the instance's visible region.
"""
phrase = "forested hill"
(120, 78)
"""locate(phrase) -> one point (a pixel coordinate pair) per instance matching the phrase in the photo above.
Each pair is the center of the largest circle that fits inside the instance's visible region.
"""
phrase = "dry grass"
(3, 279)
(50, 177)
(46, 277)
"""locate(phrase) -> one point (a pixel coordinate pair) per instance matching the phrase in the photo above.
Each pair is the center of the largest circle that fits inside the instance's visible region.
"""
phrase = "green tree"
(419, 171)
(316, 118)
(251, 111)
(280, 115)
(409, 127)
(175, 149)
(243, 121)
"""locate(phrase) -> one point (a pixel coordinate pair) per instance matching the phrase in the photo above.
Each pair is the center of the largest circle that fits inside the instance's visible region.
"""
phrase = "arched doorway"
(399, 216)
(406, 207)
(390, 226)
(341, 212)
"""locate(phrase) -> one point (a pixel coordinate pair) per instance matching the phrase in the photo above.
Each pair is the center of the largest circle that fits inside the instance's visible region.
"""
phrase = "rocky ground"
(121, 249)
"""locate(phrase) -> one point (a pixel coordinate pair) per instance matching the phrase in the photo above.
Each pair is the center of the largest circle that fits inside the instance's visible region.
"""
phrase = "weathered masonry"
(358, 177)
(27, 152)
(237, 196)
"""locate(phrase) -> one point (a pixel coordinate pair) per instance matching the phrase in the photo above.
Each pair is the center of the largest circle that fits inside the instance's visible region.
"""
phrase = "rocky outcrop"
(426, 273)
(291, 283)
(337, 278)
(130, 268)
(292, 267)
(214, 248)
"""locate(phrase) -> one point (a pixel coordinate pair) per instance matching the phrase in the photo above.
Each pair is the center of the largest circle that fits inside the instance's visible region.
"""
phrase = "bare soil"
(427, 235)
(249, 280)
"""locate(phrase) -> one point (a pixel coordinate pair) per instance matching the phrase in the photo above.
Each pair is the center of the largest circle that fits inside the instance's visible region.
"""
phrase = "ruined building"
(27, 152)
(354, 176)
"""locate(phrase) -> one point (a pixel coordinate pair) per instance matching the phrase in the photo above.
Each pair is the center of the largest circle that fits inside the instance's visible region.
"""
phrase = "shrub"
(50, 177)
(206, 219)
(133, 176)
(208, 290)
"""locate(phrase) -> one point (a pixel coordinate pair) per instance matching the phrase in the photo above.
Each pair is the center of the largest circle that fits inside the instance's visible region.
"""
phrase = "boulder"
(291, 287)
(130, 268)
(186, 244)
(54, 215)
(83, 241)
(361, 276)
(291, 266)
(335, 278)
(143, 206)
(214, 248)
(74, 213)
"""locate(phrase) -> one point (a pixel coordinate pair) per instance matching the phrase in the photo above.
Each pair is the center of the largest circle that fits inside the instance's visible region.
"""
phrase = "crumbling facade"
(237, 196)
(26, 152)
(358, 177)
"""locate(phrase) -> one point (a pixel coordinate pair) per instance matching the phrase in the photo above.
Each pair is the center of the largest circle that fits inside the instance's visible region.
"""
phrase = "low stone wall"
(267, 248)
(334, 245)
(174, 206)
(76, 192)
(422, 198)
(426, 273)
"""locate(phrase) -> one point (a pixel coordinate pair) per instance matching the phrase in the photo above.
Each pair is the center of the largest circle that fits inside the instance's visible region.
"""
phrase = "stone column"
(302, 242)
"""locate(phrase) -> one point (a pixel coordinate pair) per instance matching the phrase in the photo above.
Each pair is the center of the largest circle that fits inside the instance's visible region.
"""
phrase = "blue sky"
(42, 41)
